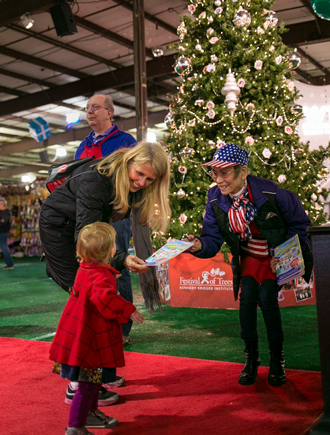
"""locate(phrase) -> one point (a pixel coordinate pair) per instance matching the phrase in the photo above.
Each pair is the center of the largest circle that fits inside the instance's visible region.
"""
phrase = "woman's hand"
(135, 264)
(137, 317)
(273, 262)
(197, 243)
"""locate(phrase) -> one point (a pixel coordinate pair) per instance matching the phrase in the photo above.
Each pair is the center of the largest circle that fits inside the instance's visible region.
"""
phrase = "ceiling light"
(27, 21)
(72, 118)
(60, 152)
(151, 137)
(26, 179)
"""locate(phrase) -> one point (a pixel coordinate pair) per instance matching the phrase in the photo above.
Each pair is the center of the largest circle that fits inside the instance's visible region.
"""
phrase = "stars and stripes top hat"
(229, 155)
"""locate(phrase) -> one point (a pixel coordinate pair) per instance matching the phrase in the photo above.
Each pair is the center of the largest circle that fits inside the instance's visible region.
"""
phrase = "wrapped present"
(39, 129)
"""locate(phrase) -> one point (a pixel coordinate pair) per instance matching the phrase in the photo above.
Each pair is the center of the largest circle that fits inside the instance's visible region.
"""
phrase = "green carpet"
(31, 305)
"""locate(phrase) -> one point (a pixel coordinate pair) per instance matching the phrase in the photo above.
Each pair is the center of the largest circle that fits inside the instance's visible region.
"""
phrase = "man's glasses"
(94, 107)
(222, 174)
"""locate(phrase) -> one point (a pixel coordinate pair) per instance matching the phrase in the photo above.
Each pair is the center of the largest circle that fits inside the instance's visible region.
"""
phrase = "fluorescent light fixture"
(73, 117)
(60, 152)
(26, 179)
(151, 137)
(27, 21)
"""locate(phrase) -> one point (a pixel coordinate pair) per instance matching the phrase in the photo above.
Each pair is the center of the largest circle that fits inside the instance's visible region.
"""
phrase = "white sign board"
(315, 126)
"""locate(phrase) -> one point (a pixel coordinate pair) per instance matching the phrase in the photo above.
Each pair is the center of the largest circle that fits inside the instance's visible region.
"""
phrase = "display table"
(187, 281)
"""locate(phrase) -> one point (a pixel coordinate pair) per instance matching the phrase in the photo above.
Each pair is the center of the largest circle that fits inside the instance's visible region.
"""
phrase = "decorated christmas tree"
(235, 84)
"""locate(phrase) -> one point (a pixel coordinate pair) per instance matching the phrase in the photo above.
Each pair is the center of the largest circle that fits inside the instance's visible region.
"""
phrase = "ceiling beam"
(64, 46)
(88, 25)
(12, 91)
(308, 32)
(18, 170)
(127, 5)
(320, 67)
(11, 11)
(125, 76)
(24, 78)
(41, 62)
(73, 135)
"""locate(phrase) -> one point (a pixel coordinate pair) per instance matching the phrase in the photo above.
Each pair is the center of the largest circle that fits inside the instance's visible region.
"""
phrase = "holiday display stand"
(188, 281)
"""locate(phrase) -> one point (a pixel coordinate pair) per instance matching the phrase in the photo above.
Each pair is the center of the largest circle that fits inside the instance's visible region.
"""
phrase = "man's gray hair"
(109, 103)
(2, 199)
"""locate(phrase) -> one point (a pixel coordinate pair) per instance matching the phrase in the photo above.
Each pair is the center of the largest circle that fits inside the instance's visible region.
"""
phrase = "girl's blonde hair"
(96, 242)
(154, 206)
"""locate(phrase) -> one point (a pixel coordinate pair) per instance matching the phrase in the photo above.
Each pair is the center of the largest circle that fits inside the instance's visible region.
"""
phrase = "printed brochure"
(172, 248)
(291, 264)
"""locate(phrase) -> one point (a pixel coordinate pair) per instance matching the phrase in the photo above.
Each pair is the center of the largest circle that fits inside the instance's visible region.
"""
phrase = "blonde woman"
(98, 191)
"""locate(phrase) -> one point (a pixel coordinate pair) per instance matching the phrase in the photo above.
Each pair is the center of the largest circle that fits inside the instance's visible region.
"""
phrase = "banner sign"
(187, 281)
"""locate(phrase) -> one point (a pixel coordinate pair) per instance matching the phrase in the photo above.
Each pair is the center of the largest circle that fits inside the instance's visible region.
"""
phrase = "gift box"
(39, 129)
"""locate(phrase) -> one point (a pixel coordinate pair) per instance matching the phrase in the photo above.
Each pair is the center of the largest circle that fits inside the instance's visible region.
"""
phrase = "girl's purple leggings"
(84, 401)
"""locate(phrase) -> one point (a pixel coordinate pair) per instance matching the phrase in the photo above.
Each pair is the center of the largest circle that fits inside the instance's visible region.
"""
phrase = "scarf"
(148, 280)
(241, 213)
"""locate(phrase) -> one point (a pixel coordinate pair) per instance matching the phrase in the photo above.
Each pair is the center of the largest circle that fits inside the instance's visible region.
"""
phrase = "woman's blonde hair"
(154, 206)
(96, 242)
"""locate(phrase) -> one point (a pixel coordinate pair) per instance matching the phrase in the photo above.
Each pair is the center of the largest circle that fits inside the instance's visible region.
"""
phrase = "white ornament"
(183, 218)
(260, 30)
(278, 59)
(249, 141)
(210, 105)
(211, 114)
(217, 2)
(210, 20)
(198, 47)
(181, 193)
(214, 40)
(281, 178)
(314, 197)
(266, 153)
(214, 58)
(258, 65)
(231, 91)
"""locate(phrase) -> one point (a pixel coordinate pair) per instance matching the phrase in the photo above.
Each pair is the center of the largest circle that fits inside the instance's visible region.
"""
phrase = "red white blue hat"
(229, 155)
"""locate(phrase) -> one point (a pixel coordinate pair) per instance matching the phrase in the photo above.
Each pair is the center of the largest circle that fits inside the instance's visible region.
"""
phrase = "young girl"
(88, 343)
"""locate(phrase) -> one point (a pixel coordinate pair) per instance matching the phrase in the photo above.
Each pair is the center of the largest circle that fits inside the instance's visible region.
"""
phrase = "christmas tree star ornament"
(231, 91)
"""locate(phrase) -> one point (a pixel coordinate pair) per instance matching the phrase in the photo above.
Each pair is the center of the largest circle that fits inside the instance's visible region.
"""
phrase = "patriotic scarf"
(241, 213)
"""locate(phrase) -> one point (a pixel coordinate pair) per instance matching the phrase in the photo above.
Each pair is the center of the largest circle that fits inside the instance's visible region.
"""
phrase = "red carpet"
(163, 395)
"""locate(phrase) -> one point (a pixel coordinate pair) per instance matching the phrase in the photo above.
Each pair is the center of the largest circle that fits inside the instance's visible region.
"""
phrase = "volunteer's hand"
(137, 317)
(273, 262)
(197, 243)
(135, 264)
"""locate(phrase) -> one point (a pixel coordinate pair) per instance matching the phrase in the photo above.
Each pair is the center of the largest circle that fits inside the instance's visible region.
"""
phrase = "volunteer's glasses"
(223, 174)
(94, 108)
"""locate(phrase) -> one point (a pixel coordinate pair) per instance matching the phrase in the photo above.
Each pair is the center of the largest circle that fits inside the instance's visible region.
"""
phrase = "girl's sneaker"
(77, 431)
(98, 420)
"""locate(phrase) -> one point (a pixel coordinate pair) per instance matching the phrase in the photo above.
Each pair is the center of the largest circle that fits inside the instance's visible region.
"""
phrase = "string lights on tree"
(236, 84)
